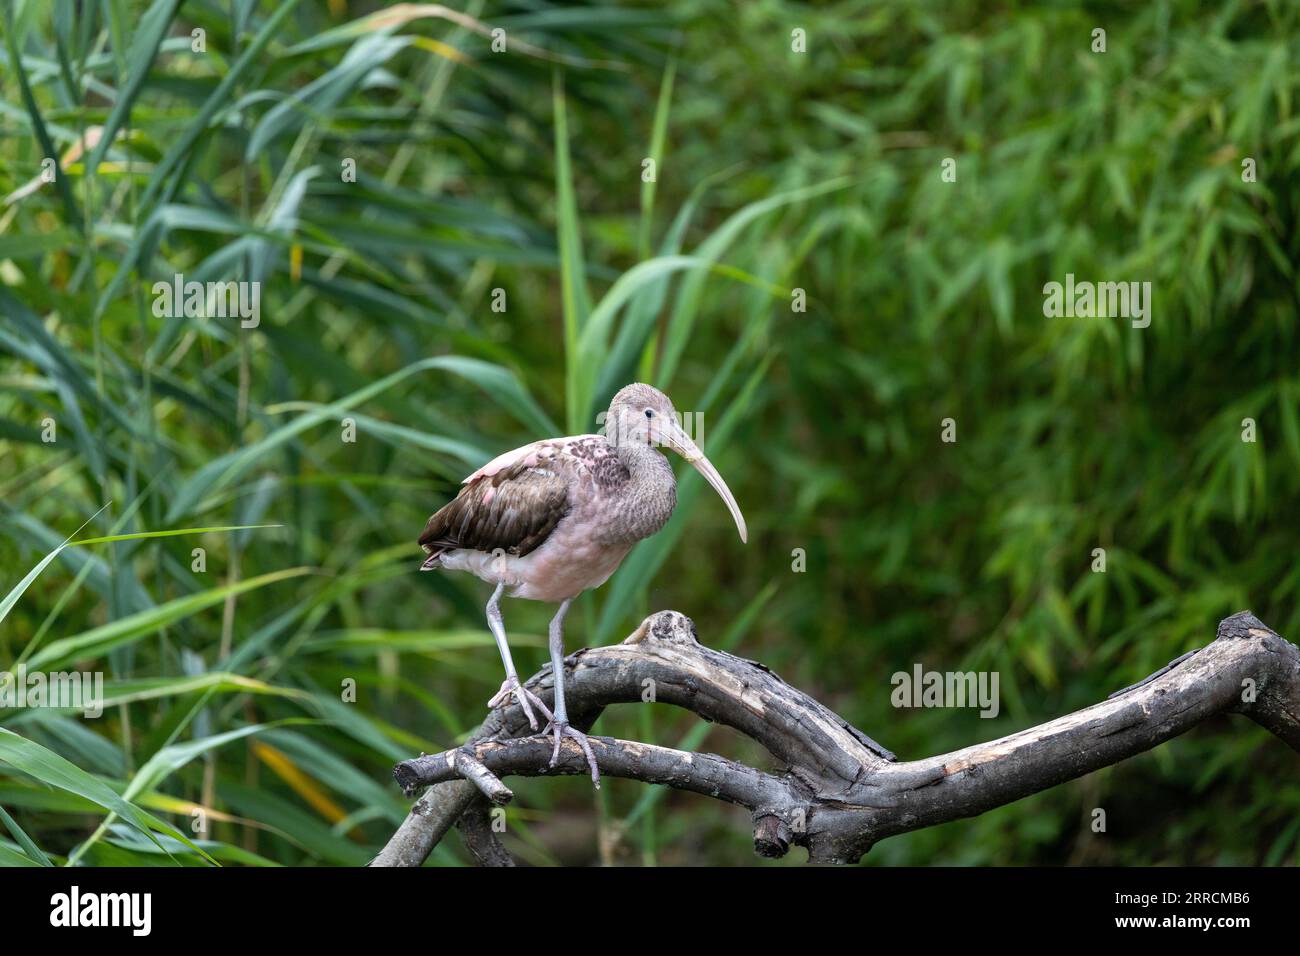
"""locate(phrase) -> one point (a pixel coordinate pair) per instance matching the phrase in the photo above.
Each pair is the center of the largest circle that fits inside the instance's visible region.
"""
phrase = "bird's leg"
(559, 724)
(511, 684)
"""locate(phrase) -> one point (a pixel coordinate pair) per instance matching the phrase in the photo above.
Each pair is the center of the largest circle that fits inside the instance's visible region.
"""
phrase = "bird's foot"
(527, 700)
(562, 729)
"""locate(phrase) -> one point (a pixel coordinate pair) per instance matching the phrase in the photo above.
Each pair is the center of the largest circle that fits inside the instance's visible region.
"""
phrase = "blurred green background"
(522, 171)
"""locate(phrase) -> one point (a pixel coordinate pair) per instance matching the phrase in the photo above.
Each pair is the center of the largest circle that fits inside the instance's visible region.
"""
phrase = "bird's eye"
(649, 413)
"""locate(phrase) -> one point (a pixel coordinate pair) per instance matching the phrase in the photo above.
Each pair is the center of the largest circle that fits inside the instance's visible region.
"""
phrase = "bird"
(556, 517)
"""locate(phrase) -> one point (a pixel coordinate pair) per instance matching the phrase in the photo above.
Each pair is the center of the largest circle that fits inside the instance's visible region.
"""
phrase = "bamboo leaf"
(49, 768)
(98, 641)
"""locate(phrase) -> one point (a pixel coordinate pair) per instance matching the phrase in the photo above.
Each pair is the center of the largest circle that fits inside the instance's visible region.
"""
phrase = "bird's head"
(642, 415)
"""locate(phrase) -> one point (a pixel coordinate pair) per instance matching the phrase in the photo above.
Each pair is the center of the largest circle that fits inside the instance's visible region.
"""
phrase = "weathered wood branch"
(835, 791)
(475, 826)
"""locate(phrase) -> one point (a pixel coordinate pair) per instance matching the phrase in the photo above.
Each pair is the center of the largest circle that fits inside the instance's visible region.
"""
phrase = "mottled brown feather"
(515, 509)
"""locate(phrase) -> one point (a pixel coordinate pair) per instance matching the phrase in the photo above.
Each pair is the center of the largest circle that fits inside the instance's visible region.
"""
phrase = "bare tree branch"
(708, 774)
(463, 763)
(475, 825)
(836, 792)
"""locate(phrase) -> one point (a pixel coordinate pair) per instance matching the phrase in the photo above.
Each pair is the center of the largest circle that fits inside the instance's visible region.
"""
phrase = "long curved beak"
(671, 434)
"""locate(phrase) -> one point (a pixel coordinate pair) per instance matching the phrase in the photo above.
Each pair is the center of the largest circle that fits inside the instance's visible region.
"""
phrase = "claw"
(526, 698)
(561, 730)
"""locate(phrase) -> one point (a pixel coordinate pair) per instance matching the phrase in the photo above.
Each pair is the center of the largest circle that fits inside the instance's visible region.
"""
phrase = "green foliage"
(521, 172)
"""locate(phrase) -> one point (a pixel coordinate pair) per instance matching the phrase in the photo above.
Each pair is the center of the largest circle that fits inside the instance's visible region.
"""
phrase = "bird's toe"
(564, 729)
(511, 687)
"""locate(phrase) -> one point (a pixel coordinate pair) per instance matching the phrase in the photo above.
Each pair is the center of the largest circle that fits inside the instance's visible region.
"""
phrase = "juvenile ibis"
(553, 518)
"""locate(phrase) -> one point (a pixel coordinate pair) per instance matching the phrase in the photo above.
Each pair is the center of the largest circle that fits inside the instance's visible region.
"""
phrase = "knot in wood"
(670, 627)
(1243, 625)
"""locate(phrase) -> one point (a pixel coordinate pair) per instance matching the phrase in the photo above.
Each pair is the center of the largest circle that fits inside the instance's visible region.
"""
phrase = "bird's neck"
(646, 502)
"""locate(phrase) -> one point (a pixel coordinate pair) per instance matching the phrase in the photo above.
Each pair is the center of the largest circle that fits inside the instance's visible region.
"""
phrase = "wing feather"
(514, 507)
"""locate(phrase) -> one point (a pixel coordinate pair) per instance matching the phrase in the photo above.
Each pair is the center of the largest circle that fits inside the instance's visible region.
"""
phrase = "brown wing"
(515, 509)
